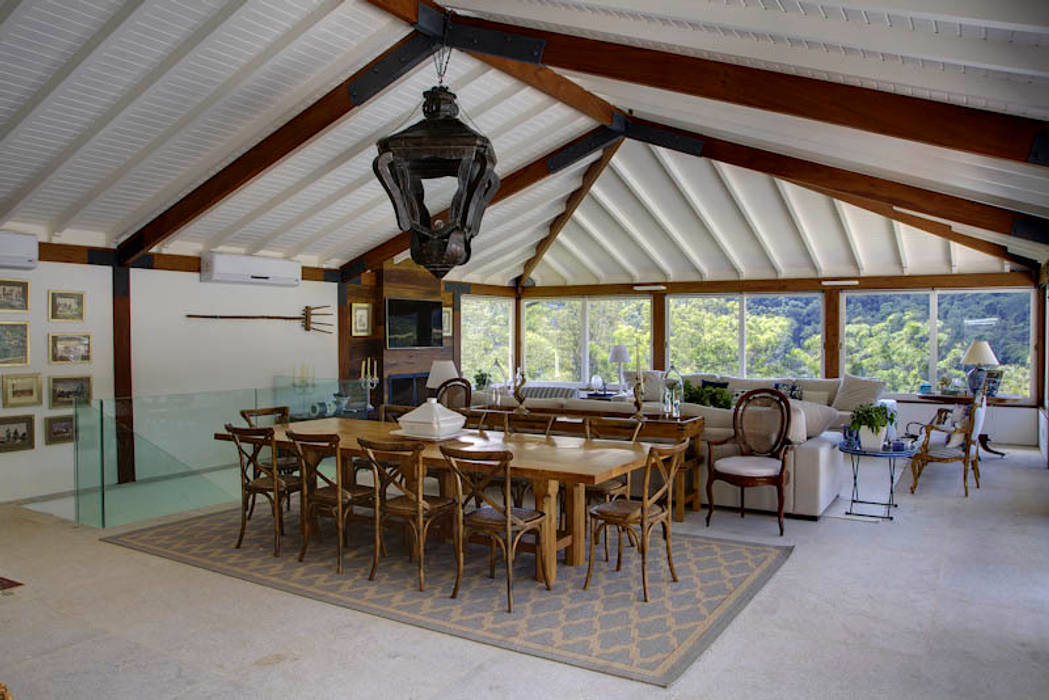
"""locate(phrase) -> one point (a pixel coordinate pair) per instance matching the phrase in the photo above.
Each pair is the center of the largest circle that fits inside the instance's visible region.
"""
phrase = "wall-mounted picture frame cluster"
(64, 306)
(63, 392)
(59, 430)
(17, 433)
(14, 343)
(21, 390)
(69, 348)
(14, 295)
(360, 320)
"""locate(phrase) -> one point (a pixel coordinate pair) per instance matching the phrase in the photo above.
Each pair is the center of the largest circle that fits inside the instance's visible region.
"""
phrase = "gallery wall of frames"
(56, 343)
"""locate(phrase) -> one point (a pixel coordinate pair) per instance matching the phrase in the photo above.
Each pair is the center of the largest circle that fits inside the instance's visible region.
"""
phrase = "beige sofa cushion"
(545, 403)
(743, 384)
(617, 407)
(811, 388)
(652, 385)
(818, 417)
(712, 417)
(857, 390)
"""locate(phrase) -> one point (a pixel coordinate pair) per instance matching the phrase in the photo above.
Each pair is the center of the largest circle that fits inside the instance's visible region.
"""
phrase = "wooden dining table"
(548, 461)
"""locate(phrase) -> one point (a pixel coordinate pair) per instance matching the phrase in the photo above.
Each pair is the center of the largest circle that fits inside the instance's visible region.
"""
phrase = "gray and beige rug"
(606, 628)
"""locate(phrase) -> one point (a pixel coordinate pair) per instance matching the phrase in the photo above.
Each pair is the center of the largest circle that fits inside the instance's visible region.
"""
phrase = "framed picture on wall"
(65, 306)
(446, 321)
(14, 295)
(22, 390)
(360, 319)
(69, 348)
(16, 433)
(14, 343)
(58, 429)
(63, 391)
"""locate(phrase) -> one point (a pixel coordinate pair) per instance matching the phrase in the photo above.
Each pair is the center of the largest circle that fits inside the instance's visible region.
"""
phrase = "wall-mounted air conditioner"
(249, 269)
(20, 251)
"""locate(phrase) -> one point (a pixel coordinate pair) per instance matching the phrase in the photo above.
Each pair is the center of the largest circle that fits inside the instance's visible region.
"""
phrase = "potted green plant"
(871, 421)
(481, 379)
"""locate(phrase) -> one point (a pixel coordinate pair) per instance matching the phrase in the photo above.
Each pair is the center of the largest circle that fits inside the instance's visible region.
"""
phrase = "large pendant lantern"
(438, 146)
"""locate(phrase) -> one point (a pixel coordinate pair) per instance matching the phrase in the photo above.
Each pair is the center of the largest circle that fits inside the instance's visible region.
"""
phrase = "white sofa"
(815, 465)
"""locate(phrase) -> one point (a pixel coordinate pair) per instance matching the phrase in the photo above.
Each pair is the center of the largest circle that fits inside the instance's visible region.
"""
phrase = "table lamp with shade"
(619, 355)
(980, 357)
(440, 372)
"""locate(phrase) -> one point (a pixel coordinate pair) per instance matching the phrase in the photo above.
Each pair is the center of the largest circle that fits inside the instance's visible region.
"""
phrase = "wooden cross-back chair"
(331, 496)
(399, 468)
(654, 508)
(600, 428)
(760, 424)
(287, 463)
(960, 443)
(455, 393)
(497, 519)
(259, 475)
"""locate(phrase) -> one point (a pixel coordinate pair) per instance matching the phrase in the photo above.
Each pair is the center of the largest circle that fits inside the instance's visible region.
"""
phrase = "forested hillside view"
(886, 335)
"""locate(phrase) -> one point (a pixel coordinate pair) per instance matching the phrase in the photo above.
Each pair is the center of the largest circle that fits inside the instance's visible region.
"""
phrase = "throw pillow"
(822, 397)
(959, 420)
(717, 385)
(789, 389)
(818, 417)
(652, 385)
(857, 390)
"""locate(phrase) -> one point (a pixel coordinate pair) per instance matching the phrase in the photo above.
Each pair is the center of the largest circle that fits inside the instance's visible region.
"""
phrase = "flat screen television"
(413, 323)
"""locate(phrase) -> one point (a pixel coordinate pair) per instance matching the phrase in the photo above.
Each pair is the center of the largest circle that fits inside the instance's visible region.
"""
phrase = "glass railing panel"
(87, 463)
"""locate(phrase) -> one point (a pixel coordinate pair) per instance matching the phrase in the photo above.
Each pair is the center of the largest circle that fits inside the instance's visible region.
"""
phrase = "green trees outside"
(886, 335)
(487, 329)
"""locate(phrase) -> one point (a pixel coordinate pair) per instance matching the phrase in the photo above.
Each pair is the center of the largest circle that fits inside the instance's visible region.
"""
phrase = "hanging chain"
(442, 56)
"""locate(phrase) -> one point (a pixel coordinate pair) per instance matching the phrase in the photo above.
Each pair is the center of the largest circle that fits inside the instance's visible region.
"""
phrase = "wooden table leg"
(545, 491)
(575, 514)
(679, 496)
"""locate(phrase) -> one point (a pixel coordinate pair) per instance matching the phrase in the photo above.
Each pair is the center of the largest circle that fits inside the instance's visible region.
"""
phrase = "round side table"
(856, 453)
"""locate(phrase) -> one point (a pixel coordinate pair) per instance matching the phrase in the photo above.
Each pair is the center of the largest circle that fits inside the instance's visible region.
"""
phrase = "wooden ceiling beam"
(574, 200)
(935, 123)
(810, 173)
(331, 107)
(934, 227)
(561, 157)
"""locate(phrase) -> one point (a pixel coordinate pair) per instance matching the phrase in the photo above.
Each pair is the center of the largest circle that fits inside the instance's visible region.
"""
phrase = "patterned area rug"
(607, 628)
(6, 583)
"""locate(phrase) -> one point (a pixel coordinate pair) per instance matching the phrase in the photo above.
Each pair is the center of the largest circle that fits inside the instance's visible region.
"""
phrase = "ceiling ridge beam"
(934, 227)
(795, 216)
(97, 41)
(384, 70)
(951, 126)
(571, 204)
(664, 223)
(755, 230)
(697, 207)
(846, 228)
(519, 180)
(129, 97)
(811, 174)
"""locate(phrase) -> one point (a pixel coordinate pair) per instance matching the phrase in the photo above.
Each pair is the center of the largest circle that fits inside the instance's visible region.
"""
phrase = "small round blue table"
(856, 453)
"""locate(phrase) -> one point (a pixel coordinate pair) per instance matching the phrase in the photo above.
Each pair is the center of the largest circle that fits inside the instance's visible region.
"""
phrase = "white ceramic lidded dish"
(432, 420)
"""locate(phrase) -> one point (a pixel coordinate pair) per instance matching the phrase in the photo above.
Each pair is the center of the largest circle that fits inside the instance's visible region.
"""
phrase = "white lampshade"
(440, 372)
(980, 355)
(619, 354)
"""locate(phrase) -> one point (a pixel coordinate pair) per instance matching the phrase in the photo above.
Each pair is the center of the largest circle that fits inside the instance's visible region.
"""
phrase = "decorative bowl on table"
(431, 420)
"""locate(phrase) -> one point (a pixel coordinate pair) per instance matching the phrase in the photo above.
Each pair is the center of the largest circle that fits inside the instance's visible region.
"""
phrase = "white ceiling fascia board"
(1015, 244)
(726, 181)
(333, 198)
(697, 206)
(799, 225)
(70, 68)
(1014, 15)
(656, 212)
(849, 235)
(900, 250)
(743, 29)
(617, 215)
(587, 227)
(140, 89)
(952, 256)
(1012, 185)
(273, 118)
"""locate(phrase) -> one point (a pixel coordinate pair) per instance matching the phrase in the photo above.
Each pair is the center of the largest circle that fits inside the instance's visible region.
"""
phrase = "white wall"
(172, 354)
(49, 468)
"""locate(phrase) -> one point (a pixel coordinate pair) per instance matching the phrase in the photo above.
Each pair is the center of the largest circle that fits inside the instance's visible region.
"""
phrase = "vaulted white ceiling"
(112, 110)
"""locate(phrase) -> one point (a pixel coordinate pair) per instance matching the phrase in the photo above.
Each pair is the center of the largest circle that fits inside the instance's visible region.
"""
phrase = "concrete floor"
(951, 600)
